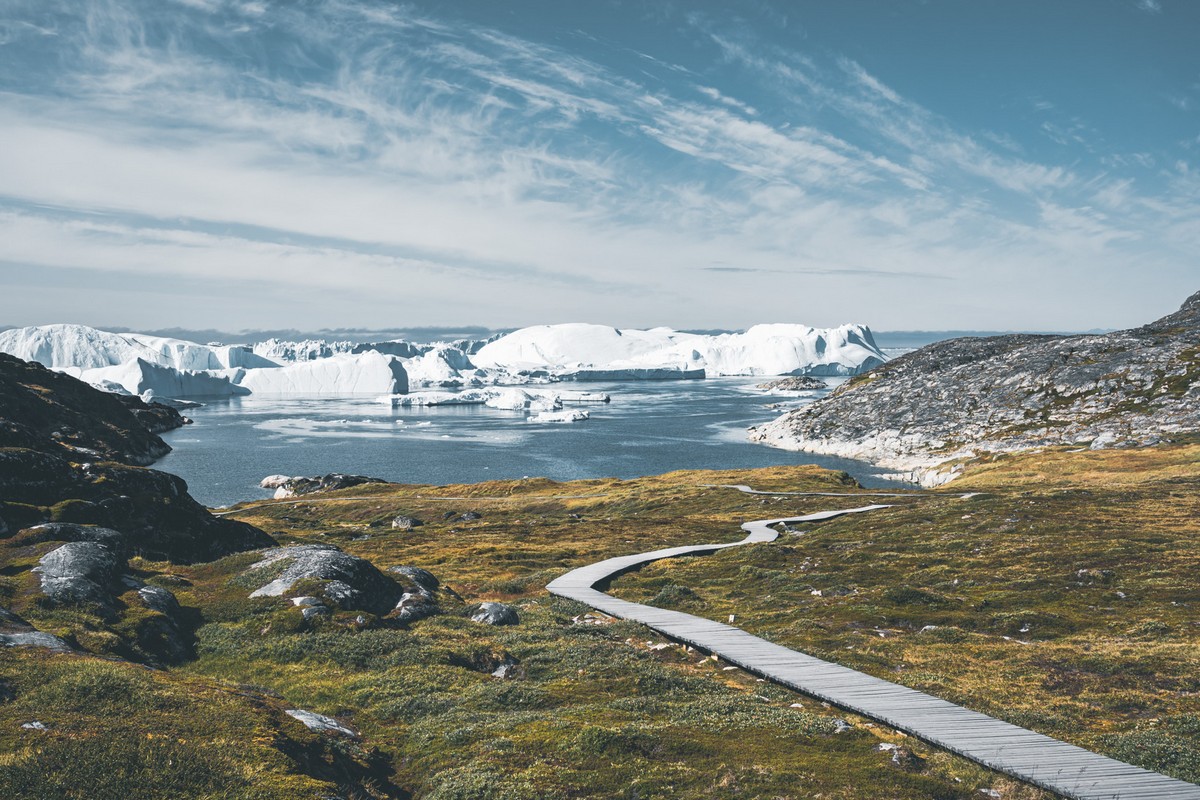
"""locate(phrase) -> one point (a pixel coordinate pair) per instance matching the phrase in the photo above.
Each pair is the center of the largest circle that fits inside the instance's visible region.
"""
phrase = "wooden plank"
(1039, 760)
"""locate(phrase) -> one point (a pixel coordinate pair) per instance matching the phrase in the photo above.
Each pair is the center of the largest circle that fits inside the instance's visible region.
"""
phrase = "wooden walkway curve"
(1039, 760)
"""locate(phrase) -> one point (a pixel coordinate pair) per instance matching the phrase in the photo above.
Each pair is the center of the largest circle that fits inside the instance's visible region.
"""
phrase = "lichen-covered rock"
(319, 722)
(73, 532)
(495, 614)
(796, 383)
(292, 487)
(413, 607)
(34, 639)
(417, 576)
(16, 632)
(349, 581)
(159, 599)
(956, 398)
(406, 523)
(81, 572)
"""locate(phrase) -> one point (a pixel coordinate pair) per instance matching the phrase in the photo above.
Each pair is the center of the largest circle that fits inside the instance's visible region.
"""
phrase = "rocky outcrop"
(81, 573)
(16, 632)
(331, 579)
(958, 398)
(797, 383)
(48, 411)
(70, 453)
(285, 486)
(347, 581)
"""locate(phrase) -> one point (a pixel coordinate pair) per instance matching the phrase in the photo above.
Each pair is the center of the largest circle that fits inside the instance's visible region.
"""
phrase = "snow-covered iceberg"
(365, 373)
(63, 346)
(582, 351)
(281, 352)
(443, 366)
(569, 415)
(140, 377)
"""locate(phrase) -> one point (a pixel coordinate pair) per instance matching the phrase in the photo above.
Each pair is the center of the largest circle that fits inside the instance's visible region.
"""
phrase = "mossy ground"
(611, 710)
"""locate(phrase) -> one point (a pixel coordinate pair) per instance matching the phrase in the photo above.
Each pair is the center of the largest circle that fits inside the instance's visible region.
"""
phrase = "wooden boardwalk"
(1030, 757)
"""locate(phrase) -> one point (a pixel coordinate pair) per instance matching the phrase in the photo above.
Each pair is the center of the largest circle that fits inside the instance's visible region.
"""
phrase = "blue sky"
(243, 164)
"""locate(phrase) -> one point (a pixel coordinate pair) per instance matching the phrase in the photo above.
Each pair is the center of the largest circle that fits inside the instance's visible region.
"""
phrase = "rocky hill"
(957, 398)
(71, 453)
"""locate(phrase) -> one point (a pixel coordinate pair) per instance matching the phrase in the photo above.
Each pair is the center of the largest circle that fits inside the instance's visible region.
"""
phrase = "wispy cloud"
(398, 161)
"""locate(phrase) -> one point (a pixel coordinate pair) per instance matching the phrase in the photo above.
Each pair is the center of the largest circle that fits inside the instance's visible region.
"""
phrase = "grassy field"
(1061, 597)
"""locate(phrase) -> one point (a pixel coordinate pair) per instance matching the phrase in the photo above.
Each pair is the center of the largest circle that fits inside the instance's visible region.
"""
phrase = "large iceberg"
(140, 377)
(63, 346)
(365, 373)
(583, 351)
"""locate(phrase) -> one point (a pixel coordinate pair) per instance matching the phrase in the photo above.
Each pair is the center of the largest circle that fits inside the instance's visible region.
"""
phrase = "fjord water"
(648, 428)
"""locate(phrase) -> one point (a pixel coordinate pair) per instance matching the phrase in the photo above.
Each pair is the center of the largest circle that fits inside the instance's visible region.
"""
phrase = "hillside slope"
(954, 399)
(71, 453)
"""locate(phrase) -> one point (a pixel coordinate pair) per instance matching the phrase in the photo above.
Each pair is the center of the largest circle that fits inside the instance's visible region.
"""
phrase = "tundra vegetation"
(1060, 596)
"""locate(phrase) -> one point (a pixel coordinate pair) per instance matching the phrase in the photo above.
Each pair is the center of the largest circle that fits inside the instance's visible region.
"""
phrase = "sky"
(245, 164)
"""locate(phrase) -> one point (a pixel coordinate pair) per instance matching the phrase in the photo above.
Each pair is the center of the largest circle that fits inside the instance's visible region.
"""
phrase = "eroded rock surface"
(957, 398)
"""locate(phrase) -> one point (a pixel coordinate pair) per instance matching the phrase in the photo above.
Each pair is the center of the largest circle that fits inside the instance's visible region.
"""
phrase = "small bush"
(675, 595)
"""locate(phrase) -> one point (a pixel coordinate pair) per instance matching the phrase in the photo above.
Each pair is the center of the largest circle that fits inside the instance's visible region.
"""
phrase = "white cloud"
(386, 155)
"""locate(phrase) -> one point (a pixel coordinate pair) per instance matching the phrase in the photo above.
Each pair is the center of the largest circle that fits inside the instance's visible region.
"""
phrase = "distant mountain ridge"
(954, 399)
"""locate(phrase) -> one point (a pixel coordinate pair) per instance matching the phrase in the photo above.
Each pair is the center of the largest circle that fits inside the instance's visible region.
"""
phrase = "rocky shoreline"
(927, 411)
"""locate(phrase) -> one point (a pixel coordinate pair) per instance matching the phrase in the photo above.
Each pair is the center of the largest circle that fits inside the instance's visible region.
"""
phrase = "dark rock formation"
(73, 454)
(291, 487)
(422, 578)
(956, 398)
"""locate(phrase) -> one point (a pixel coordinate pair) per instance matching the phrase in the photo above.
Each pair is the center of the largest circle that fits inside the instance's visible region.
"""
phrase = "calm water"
(648, 428)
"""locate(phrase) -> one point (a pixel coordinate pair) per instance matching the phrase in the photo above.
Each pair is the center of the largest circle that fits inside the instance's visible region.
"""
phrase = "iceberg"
(443, 366)
(365, 373)
(570, 415)
(281, 352)
(63, 346)
(579, 351)
(140, 377)
(509, 399)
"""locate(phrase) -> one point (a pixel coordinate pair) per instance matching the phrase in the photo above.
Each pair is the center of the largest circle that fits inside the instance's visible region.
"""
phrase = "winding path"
(1030, 757)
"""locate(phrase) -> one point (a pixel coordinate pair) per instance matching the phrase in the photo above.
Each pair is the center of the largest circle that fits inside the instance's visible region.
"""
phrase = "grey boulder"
(350, 582)
(80, 572)
(413, 607)
(495, 614)
(422, 578)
